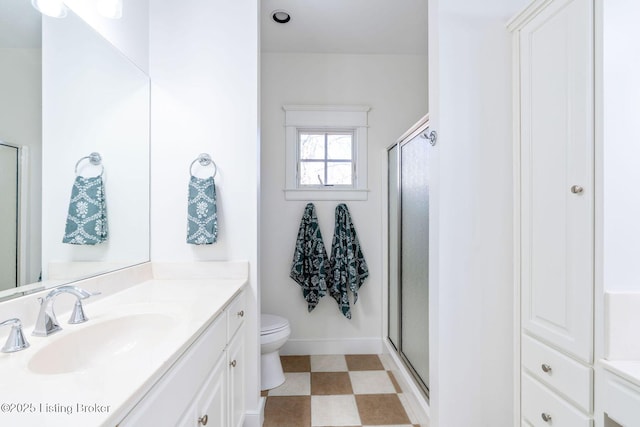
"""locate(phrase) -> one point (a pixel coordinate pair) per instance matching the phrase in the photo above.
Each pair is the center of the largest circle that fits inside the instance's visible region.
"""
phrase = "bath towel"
(348, 266)
(87, 217)
(202, 224)
(310, 266)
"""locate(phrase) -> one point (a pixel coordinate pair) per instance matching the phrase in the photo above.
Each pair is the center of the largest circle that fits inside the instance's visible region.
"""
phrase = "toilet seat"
(272, 324)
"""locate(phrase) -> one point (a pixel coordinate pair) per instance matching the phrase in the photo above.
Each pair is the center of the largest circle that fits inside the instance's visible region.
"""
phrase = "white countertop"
(93, 397)
(627, 369)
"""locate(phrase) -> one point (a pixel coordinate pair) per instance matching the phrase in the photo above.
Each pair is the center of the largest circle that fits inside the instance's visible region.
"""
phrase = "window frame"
(326, 132)
(326, 118)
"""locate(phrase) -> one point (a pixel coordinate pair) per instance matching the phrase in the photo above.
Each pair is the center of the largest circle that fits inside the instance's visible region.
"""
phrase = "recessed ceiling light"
(281, 16)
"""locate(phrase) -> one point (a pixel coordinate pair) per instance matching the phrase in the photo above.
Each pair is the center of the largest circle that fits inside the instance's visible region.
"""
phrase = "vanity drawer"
(560, 372)
(621, 400)
(236, 313)
(538, 400)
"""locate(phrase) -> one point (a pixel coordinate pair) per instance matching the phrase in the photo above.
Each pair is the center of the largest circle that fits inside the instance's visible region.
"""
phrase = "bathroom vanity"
(159, 350)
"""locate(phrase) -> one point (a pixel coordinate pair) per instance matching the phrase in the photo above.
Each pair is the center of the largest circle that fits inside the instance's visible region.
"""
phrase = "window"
(326, 152)
(325, 158)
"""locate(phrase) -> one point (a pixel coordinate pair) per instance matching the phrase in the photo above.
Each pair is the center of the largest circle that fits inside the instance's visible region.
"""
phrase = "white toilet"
(274, 332)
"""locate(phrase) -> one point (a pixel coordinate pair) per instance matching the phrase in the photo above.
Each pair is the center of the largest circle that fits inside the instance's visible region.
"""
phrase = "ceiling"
(346, 26)
(19, 25)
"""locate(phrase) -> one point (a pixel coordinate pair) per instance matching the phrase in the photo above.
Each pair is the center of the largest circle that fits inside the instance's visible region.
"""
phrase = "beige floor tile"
(371, 382)
(334, 411)
(328, 363)
(287, 411)
(327, 383)
(295, 384)
(363, 362)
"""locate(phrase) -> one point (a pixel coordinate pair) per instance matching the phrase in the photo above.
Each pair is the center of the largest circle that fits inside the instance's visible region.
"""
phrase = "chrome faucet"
(15, 340)
(47, 322)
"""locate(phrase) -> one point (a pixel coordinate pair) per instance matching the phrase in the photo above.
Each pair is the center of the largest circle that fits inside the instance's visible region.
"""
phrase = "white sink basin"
(100, 343)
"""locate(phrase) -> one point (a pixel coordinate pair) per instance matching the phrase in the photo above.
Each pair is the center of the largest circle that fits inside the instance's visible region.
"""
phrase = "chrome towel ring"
(205, 160)
(94, 158)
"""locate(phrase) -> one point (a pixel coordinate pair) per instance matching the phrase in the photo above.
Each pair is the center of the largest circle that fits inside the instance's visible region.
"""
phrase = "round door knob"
(203, 420)
(546, 417)
(240, 313)
(576, 189)
(233, 363)
(546, 368)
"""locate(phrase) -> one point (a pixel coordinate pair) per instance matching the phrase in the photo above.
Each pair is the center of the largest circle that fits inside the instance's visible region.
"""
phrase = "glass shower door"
(394, 240)
(414, 254)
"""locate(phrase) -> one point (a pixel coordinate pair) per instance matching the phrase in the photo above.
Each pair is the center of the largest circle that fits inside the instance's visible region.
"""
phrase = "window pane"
(311, 146)
(339, 173)
(309, 172)
(339, 146)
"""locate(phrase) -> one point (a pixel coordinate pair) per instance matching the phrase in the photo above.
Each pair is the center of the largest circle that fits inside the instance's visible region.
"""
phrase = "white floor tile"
(334, 411)
(371, 382)
(328, 363)
(295, 384)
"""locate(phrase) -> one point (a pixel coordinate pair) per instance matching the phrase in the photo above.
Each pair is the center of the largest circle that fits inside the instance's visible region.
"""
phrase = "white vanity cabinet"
(554, 210)
(206, 385)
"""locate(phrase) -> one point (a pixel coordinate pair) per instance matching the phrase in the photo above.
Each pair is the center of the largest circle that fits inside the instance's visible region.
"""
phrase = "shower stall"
(408, 250)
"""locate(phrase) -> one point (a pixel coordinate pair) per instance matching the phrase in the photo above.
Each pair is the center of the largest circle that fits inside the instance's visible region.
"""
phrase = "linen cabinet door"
(236, 370)
(556, 176)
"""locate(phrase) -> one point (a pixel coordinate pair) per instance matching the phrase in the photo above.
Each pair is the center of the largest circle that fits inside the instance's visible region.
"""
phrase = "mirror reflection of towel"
(348, 266)
(202, 225)
(87, 218)
(310, 266)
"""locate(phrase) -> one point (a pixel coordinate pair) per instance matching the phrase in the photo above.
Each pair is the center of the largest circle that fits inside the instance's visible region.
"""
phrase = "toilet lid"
(271, 323)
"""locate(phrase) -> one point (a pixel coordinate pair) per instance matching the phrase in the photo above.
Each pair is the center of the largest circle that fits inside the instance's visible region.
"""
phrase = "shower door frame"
(421, 127)
(21, 209)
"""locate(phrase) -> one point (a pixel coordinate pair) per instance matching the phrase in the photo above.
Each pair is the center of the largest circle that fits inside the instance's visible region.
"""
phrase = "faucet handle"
(77, 315)
(15, 340)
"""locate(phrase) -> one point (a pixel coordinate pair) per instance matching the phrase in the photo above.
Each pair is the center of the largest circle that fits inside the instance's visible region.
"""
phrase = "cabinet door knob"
(233, 363)
(546, 417)
(240, 313)
(546, 368)
(576, 189)
(203, 420)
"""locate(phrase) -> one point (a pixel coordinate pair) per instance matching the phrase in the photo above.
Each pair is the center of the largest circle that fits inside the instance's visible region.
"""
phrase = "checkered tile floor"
(337, 390)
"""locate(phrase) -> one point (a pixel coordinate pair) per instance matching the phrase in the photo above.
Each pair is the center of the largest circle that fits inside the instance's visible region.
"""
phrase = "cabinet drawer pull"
(233, 363)
(203, 420)
(546, 368)
(240, 313)
(546, 417)
(576, 189)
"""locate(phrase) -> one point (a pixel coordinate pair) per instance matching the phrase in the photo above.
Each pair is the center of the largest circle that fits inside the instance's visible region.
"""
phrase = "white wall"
(395, 87)
(471, 280)
(204, 72)
(621, 91)
(21, 124)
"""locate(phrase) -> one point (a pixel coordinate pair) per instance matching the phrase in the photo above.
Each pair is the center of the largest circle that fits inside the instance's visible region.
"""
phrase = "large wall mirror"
(67, 93)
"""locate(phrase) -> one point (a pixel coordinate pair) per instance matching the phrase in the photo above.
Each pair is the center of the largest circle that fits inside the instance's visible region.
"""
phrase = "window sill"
(324, 194)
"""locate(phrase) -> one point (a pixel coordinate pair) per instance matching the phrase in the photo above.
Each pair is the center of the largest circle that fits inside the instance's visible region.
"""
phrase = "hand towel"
(310, 266)
(87, 217)
(202, 225)
(348, 266)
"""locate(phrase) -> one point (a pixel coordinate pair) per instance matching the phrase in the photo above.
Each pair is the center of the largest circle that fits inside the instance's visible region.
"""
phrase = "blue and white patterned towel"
(310, 266)
(202, 227)
(87, 218)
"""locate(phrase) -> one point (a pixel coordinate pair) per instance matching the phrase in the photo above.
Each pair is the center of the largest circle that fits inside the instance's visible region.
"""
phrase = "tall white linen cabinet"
(553, 43)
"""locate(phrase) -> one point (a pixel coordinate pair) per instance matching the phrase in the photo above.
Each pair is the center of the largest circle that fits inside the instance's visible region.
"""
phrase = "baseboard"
(333, 346)
(253, 419)
(416, 399)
